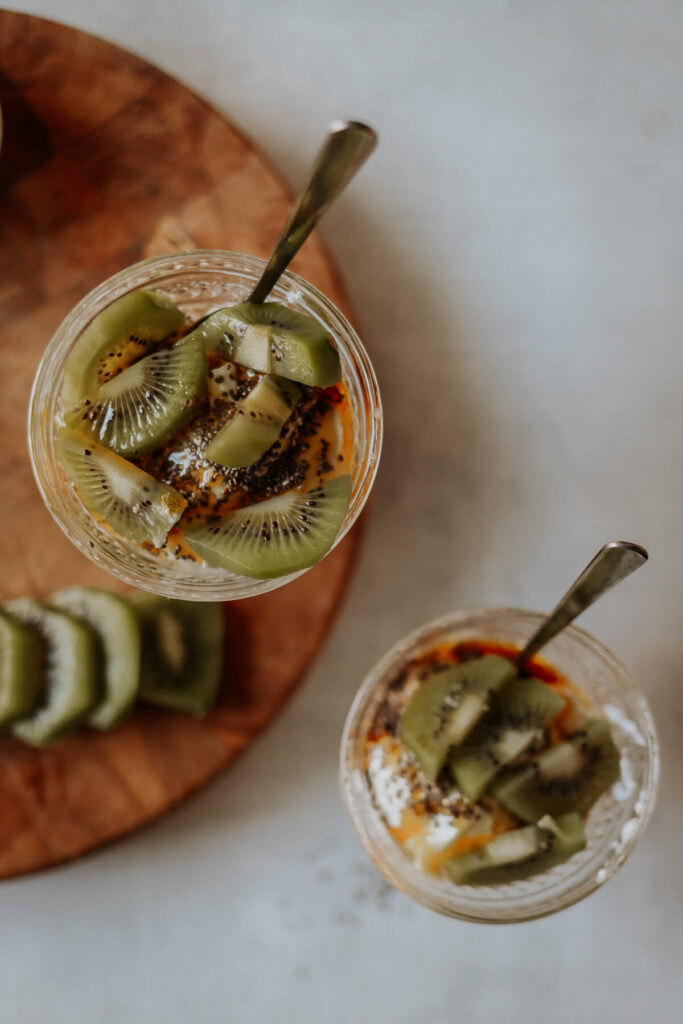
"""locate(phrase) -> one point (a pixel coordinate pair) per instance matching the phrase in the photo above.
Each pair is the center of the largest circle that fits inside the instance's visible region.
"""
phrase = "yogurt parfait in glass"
(491, 794)
(199, 445)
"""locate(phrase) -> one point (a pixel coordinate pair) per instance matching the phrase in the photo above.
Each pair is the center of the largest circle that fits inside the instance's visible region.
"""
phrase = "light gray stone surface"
(514, 253)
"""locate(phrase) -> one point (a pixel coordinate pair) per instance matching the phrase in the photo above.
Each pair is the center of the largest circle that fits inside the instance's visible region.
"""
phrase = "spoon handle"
(613, 563)
(346, 148)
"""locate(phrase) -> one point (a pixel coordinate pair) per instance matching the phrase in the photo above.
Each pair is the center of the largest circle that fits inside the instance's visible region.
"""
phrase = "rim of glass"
(124, 559)
(562, 886)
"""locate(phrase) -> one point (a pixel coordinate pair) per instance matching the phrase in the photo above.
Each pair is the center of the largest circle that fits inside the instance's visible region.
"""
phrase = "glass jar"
(199, 282)
(614, 824)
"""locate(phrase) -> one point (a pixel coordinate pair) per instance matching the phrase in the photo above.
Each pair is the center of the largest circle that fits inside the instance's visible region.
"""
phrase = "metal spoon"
(346, 148)
(613, 563)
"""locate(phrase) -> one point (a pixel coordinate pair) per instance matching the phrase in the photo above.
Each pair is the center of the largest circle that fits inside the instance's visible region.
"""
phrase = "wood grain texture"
(105, 161)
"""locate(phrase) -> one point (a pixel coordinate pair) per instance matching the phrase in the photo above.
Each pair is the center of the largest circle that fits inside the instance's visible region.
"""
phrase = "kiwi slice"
(275, 537)
(129, 500)
(21, 676)
(448, 705)
(519, 853)
(519, 714)
(182, 652)
(256, 424)
(71, 672)
(117, 630)
(146, 404)
(272, 338)
(117, 337)
(569, 776)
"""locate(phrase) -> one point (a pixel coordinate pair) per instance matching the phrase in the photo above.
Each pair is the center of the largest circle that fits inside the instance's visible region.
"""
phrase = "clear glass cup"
(199, 282)
(614, 824)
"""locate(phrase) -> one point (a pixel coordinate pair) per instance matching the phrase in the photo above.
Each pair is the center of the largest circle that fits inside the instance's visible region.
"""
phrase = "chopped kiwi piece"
(182, 652)
(569, 776)
(128, 500)
(518, 716)
(117, 337)
(117, 629)
(146, 404)
(71, 672)
(448, 705)
(21, 676)
(520, 853)
(256, 424)
(272, 338)
(272, 538)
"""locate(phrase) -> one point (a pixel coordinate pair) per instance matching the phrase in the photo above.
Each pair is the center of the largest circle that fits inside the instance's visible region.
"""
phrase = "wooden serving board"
(106, 161)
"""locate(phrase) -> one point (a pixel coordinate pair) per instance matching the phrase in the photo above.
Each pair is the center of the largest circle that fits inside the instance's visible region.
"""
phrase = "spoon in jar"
(613, 563)
(347, 146)
(345, 149)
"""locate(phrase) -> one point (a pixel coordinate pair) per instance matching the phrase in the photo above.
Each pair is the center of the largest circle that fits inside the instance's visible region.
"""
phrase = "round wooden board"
(106, 161)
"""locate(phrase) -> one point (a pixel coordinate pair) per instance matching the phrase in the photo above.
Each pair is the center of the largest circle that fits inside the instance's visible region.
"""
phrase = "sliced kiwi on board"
(569, 776)
(256, 424)
(448, 705)
(21, 675)
(182, 652)
(71, 672)
(519, 853)
(117, 629)
(518, 716)
(275, 537)
(117, 337)
(128, 500)
(146, 404)
(272, 338)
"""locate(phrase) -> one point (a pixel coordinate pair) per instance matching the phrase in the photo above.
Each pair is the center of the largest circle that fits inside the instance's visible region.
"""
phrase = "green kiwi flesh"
(117, 629)
(520, 853)
(569, 776)
(272, 338)
(275, 537)
(448, 705)
(518, 716)
(117, 337)
(131, 502)
(256, 424)
(146, 404)
(182, 652)
(21, 678)
(71, 672)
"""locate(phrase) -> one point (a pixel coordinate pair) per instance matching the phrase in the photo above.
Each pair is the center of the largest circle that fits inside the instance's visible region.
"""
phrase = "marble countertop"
(514, 253)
